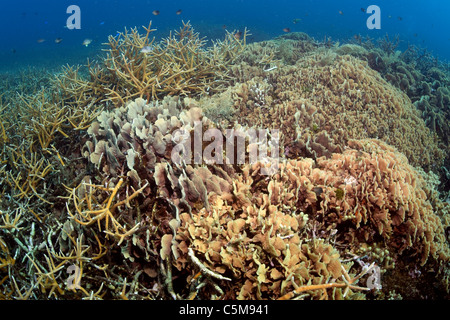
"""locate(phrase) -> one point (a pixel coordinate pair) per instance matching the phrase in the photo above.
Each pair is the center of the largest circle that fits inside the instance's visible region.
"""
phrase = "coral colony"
(284, 169)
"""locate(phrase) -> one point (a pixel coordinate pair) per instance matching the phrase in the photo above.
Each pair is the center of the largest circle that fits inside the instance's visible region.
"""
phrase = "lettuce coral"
(268, 234)
(346, 99)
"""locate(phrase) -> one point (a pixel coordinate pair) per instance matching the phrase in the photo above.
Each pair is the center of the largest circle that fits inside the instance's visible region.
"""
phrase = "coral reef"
(334, 99)
(110, 190)
(416, 73)
(138, 66)
(235, 225)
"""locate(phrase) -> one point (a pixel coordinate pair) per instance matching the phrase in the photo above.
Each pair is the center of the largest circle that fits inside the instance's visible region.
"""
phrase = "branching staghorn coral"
(177, 65)
(30, 171)
(89, 210)
(136, 66)
(349, 284)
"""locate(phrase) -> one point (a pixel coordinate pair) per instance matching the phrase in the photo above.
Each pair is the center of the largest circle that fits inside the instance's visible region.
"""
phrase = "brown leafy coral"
(274, 233)
(339, 98)
(261, 238)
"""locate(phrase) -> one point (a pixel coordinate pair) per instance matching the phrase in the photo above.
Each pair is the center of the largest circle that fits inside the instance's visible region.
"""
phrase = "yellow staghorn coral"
(30, 170)
(178, 65)
(6, 263)
(5, 257)
(90, 210)
(45, 118)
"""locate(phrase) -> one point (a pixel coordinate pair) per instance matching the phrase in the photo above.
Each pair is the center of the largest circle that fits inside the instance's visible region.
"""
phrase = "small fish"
(155, 12)
(238, 35)
(13, 51)
(58, 40)
(415, 35)
(178, 12)
(295, 21)
(390, 17)
(318, 191)
(224, 26)
(287, 30)
(102, 23)
(400, 18)
(40, 40)
(341, 13)
(146, 49)
(87, 42)
(363, 10)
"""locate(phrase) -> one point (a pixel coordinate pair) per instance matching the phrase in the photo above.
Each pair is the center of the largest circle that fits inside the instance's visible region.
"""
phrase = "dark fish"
(400, 18)
(58, 40)
(178, 12)
(415, 35)
(155, 12)
(238, 35)
(13, 51)
(318, 191)
(224, 26)
(287, 30)
(363, 10)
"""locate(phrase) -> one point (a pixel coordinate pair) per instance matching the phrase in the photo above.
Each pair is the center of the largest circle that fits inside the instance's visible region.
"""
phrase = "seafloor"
(94, 206)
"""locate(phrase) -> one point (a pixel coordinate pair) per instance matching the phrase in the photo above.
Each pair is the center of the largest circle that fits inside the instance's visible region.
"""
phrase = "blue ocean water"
(23, 22)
